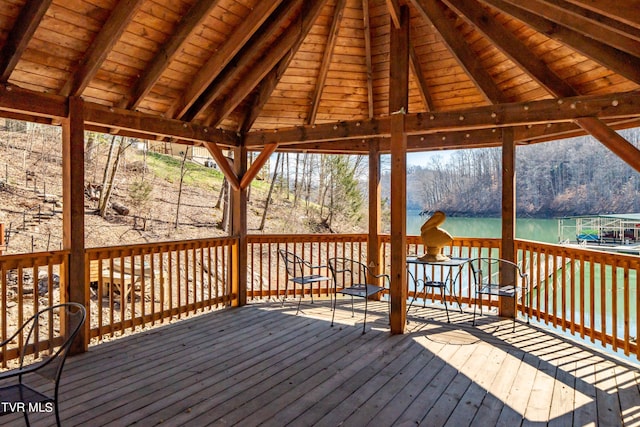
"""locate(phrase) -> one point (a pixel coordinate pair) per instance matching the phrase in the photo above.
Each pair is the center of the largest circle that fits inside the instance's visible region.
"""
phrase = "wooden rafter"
(619, 105)
(17, 40)
(626, 11)
(511, 46)
(168, 51)
(268, 85)
(291, 39)
(537, 69)
(101, 47)
(260, 98)
(367, 53)
(595, 18)
(432, 11)
(394, 10)
(326, 60)
(200, 95)
(420, 79)
(619, 62)
(550, 10)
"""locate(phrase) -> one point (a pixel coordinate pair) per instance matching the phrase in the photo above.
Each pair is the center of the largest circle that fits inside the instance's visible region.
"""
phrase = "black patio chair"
(427, 282)
(18, 389)
(496, 277)
(299, 272)
(350, 278)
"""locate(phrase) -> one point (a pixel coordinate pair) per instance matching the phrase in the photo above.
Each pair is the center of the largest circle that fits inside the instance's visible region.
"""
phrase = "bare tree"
(183, 171)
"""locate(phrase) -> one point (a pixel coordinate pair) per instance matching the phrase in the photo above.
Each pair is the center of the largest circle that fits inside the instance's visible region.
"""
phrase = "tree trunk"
(182, 173)
(266, 203)
(105, 175)
(116, 163)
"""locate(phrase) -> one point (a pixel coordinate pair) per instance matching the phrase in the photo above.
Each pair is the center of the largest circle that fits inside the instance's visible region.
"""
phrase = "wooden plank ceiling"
(266, 67)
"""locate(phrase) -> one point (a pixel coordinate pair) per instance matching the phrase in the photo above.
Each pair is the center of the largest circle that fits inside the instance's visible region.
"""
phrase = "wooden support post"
(507, 306)
(398, 105)
(239, 228)
(73, 287)
(373, 242)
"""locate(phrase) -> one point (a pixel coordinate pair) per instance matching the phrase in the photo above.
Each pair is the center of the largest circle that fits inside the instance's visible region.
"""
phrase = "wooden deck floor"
(262, 364)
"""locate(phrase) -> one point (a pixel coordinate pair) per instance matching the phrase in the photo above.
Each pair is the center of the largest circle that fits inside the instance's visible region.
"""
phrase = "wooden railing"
(590, 294)
(28, 283)
(266, 271)
(138, 285)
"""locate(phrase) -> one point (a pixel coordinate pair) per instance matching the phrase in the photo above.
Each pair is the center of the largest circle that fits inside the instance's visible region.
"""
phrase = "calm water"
(540, 230)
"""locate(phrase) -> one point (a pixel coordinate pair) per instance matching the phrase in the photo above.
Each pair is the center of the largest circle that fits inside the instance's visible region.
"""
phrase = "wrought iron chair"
(297, 269)
(428, 282)
(350, 278)
(500, 278)
(18, 391)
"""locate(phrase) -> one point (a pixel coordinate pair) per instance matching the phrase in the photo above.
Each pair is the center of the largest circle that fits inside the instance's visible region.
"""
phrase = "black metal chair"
(500, 278)
(428, 282)
(350, 278)
(298, 269)
(18, 391)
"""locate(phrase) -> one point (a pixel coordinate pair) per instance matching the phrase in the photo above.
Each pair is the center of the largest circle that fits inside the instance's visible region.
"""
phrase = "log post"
(73, 288)
(507, 306)
(398, 105)
(239, 228)
(373, 241)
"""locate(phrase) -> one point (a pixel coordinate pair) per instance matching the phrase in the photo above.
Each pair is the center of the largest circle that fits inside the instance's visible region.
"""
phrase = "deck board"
(262, 364)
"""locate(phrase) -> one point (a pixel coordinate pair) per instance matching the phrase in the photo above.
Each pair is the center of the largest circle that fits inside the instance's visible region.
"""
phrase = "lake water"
(540, 230)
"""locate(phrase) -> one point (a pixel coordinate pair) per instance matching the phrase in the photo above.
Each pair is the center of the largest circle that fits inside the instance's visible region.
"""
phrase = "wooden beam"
(597, 18)
(394, 10)
(17, 100)
(511, 46)
(619, 62)
(480, 138)
(75, 288)
(398, 105)
(625, 11)
(433, 12)
(257, 165)
(18, 38)
(338, 13)
(101, 47)
(133, 121)
(270, 81)
(367, 52)
(612, 140)
(199, 96)
(420, 79)
(556, 11)
(223, 164)
(165, 55)
(538, 70)
(619, 105)
(268, 62)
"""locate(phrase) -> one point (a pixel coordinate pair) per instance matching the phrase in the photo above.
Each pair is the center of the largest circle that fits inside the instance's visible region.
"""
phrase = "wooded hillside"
(571, 177)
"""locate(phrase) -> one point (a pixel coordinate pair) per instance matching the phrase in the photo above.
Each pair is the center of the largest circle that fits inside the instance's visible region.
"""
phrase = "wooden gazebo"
(338, 76)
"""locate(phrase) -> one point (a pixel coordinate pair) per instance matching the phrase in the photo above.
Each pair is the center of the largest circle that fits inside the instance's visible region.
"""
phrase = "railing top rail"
(145, 248)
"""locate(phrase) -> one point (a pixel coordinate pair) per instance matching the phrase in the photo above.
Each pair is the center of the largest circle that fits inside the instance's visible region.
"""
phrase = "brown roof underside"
(316, 73)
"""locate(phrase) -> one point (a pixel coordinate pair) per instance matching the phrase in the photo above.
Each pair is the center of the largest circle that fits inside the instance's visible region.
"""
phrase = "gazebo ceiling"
(256, 66)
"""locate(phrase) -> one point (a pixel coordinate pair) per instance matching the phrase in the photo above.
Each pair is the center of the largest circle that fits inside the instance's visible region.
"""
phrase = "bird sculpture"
(435, 238)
